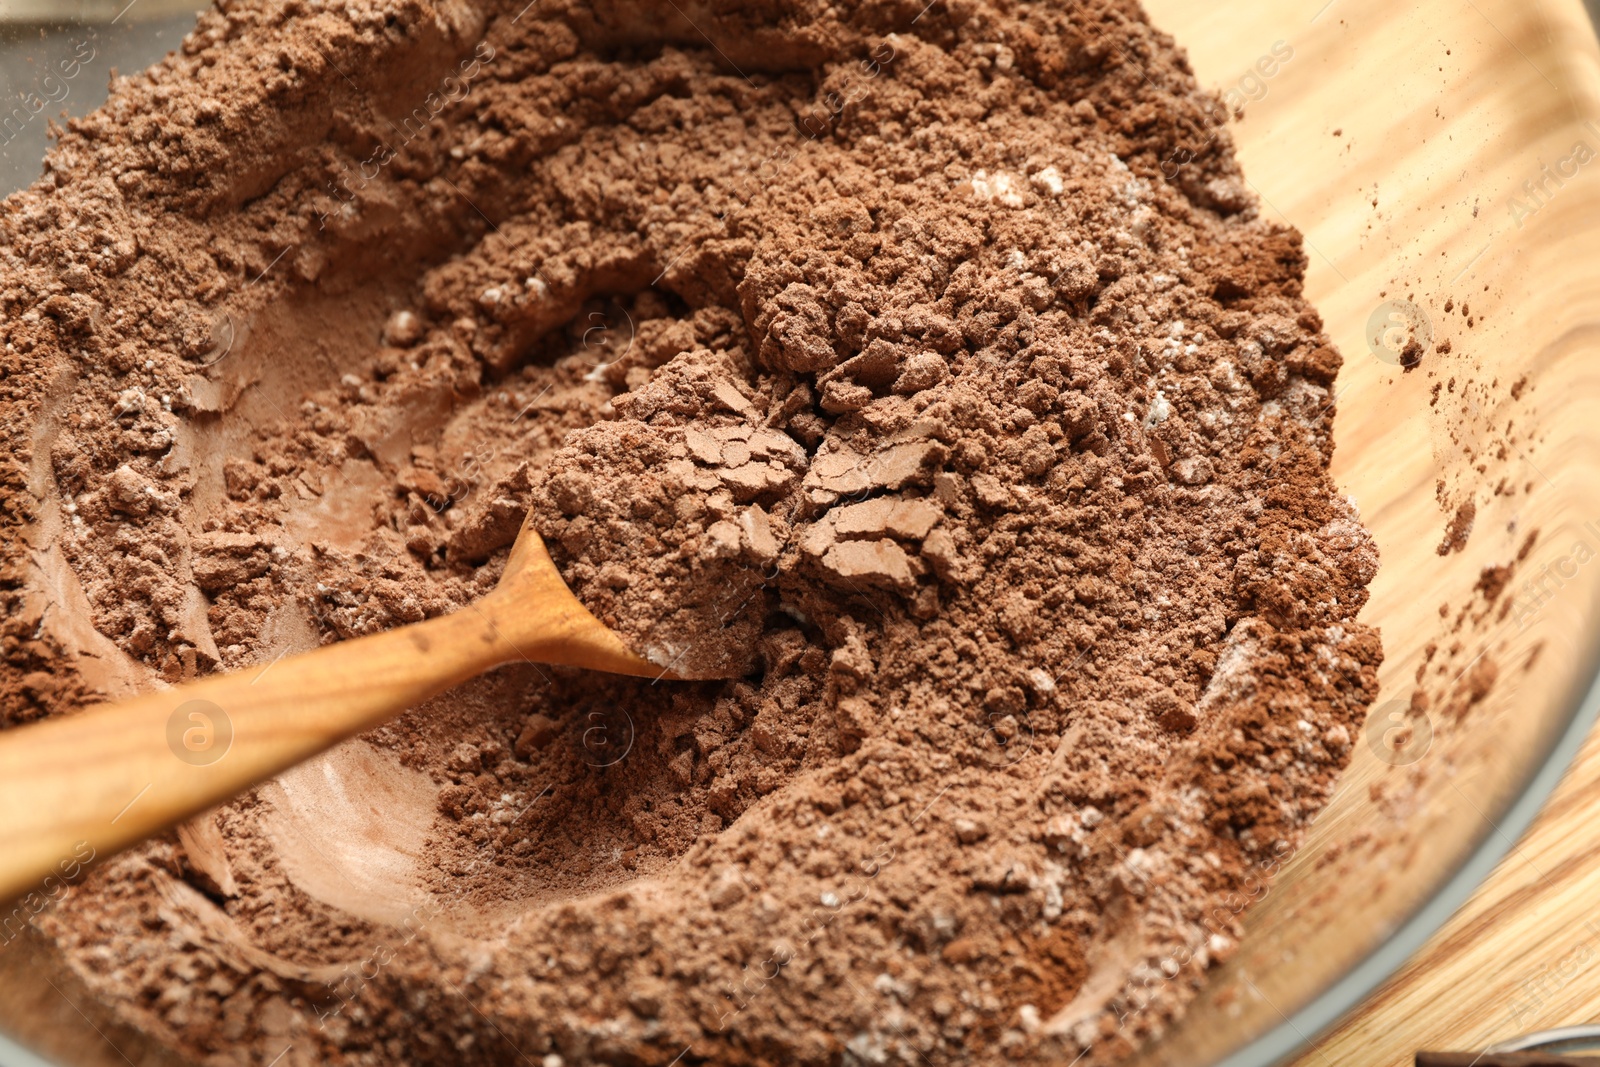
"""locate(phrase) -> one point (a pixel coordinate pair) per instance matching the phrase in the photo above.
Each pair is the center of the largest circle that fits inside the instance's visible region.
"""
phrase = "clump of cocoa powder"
(883, 357)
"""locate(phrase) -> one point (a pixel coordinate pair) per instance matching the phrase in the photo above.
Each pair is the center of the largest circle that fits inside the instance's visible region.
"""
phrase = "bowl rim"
(15, 1055)
(1298, 1032)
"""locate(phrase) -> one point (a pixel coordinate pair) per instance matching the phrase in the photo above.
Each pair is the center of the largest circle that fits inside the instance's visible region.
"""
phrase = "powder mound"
(929, 371)
(657, 519)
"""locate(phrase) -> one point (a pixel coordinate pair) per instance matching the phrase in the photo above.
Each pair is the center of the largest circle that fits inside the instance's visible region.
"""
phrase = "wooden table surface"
(1468, 99)
(1522, 955)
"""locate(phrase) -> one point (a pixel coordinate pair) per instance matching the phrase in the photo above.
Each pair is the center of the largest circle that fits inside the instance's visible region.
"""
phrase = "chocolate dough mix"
(932, 369)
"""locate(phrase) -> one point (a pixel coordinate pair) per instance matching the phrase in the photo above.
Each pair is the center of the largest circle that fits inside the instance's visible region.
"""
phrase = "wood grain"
(1522, 955)
(1511, 1059)
(1399, 139)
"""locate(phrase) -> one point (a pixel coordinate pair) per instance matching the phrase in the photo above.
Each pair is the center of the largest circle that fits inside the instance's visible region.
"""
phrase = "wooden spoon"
(74, 790)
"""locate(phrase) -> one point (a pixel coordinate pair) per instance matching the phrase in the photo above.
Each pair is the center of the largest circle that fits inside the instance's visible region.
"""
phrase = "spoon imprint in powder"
(92, 783)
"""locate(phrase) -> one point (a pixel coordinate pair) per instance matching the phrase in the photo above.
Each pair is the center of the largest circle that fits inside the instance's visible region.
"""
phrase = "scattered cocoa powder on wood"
(1459, 528)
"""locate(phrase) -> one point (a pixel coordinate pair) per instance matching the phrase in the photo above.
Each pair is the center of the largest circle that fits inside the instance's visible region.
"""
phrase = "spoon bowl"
(79, 788)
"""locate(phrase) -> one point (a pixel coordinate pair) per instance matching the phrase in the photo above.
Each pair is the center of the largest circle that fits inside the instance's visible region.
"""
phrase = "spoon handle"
(75, 789)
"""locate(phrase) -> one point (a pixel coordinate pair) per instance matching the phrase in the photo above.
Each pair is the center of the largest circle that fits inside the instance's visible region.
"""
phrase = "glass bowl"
(1432, 164)
(1431, 158)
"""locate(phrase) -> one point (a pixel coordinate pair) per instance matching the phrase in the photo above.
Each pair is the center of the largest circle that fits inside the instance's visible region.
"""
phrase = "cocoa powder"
(932, 372)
